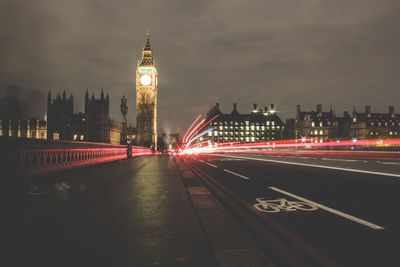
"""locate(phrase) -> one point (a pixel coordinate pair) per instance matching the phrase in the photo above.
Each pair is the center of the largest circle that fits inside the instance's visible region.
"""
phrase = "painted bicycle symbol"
(282, 204)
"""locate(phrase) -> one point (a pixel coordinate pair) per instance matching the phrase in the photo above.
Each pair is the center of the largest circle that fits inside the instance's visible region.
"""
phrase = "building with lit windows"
(368, 125)
(315, 125)
(258, 125)
(32, 128)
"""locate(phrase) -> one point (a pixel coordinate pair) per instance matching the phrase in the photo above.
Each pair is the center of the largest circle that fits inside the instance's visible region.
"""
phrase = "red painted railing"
(38, 161)
(139, 151)
(38, 157)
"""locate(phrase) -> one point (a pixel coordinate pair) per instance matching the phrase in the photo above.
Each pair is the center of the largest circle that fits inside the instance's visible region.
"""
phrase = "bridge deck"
(130, 213)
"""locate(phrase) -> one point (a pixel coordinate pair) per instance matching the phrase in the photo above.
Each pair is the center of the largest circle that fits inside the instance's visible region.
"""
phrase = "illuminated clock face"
(145, 79)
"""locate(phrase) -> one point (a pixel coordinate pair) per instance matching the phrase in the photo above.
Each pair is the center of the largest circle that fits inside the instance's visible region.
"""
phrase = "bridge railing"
(38, 157)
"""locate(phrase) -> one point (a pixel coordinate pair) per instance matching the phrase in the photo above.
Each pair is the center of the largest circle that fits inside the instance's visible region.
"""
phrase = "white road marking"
(238, 175)
(315, 166)
(339, 213)
(201, 160)
(389, 162)
(212, 165)
(347, 160)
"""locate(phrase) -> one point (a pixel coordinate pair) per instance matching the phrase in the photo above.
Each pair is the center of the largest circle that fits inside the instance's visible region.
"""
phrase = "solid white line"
(238, 175)
(389, 162)
(339, 213)
(347, 160)
(315, 166)
(212, 165)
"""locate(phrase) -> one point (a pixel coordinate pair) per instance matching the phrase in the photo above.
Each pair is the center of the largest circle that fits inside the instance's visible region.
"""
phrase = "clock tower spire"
(146, 98)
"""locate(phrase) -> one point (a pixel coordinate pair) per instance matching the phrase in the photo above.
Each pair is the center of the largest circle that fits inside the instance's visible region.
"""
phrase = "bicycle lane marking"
(336, 212)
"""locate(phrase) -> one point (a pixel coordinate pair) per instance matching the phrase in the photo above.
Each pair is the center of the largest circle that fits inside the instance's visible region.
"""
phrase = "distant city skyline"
(341, 53)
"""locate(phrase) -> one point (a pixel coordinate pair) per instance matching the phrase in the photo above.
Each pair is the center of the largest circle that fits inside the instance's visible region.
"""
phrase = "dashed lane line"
(315, 166)
(212, 165)
(238, 175)
(336, 212)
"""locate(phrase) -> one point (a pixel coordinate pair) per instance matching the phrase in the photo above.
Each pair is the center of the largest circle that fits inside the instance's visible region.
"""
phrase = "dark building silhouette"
(97, 115)
(259, 125)
(94, 125)
(59, 117)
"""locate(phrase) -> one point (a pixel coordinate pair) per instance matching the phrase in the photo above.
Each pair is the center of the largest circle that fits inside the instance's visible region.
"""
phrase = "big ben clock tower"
(146, 98)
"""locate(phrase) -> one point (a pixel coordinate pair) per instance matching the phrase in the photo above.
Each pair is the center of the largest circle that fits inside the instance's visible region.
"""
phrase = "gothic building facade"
(146, 98)
(94, 125)
(59, 115)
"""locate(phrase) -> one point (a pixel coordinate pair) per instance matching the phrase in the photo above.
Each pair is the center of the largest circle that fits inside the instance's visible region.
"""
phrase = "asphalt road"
(349, 210)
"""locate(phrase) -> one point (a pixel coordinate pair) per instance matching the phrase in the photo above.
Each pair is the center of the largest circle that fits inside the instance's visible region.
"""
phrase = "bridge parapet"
(38, 157)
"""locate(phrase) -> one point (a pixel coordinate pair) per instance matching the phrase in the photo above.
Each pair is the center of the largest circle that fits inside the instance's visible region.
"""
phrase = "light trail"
(190, 127)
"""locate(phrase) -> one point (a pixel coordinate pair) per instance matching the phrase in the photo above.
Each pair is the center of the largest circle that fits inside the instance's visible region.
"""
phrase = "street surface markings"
(230, 159)
(339, 213)
(282, 204)
(347, 160)
(201, 160)
(238, 175)
(212, 165)
(315, 166)
(389, 162)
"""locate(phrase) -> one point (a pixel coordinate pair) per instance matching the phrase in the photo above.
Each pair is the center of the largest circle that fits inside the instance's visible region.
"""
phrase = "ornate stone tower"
(146, 98)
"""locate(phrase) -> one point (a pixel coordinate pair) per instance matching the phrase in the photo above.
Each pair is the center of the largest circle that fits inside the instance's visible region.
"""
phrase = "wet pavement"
(130, 213)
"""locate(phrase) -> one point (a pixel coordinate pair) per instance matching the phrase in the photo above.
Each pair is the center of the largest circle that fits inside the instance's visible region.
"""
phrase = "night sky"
(286, 52)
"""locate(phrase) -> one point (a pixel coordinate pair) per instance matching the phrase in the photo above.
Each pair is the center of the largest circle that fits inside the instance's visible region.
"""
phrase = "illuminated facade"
(316, 125)
(146, 98)
(259, 125)
(368, 125)
(32, 128)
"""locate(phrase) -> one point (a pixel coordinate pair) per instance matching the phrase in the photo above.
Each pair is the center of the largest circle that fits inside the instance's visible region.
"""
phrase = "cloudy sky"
(287, 52)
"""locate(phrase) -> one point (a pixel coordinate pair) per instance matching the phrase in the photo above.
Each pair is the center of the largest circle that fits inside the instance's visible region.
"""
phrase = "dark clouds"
(339, 52)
